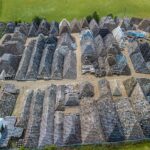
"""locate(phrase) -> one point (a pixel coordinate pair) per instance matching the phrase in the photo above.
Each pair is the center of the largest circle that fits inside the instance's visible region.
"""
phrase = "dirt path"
(80, 78)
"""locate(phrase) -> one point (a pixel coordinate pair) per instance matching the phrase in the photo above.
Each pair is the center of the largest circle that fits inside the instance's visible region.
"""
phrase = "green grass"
(142, 145)
(58, 9)
(0, 7)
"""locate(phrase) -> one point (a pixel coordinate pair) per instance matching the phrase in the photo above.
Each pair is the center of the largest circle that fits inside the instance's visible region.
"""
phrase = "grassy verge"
(58, 9)
(142, 145)
(1, 7)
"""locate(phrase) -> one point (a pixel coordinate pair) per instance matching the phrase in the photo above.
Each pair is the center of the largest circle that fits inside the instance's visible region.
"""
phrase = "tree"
(96, 16)
(89, 18)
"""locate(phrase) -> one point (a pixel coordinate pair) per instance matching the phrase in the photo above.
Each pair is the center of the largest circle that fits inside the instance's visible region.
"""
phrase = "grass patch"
(1, 7)
(58, 9)
(141, 145)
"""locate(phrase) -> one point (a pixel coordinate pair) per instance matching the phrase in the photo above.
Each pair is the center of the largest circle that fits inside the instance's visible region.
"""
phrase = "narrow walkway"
(24, 85)
(80, 77)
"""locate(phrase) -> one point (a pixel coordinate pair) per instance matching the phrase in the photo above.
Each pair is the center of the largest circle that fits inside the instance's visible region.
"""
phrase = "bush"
(110, 15)
(17, 22)
(52, 147)
(2, 29)
(93, 16)
(37, 20)
(21, 148)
